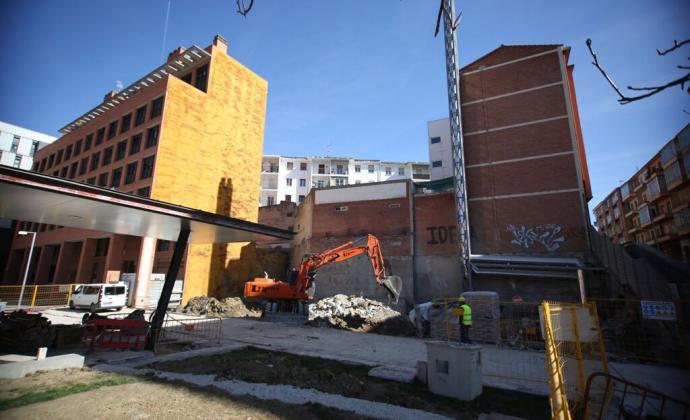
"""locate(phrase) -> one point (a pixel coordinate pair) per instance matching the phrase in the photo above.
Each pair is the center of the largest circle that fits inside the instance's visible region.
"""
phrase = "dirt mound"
(228, 307)
(355, 313)
(23, 332)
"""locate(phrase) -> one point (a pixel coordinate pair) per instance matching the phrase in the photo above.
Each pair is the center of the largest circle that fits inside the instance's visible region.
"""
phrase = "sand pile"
(228, 307)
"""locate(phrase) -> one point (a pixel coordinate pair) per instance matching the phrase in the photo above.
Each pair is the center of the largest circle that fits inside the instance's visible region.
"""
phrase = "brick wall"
(217, 138)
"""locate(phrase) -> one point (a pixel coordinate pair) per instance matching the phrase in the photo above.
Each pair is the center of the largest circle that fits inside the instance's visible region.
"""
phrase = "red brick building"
(527, 177)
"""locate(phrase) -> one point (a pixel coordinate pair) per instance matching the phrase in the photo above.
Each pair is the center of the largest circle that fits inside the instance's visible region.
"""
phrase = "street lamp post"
(28, 264)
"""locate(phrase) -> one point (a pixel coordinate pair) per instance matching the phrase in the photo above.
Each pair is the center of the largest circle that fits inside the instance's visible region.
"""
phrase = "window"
(289, 166)
(100, 135)
(288, 181)
(115, 290)
(116, 177)
(302, 182)
(131, 174)
(15, 144)
(17, 161)
(201, 78)
(34, 147)
(672, 173)
(121, 150)
(270, 201)
(300, 199)
(55, 173)
(94, 160)
(83, 166)
(101, 249)
(73, 170)
(644, 215)
(187, 78)
(668, 152)
(319, 183)
(371, 169)
(401, 171)
(157, 107)
(322, 168)
(340, 170)
(436, 164)
(339, 182)
(107, 155)
(91, 181)
(77, 147)
(152, 136)
(63, 172)
(68, 152)
(135, 146)
(358, 168)
(435, 140)
(288, 198)
(112, 129)
(303, 166)
(358, 182)
(388, 170)
(43, 165)
(140, 116)
(51, 160)
(147, 167)
(162, 245)
(87, 142)
(126, 123)
(144, 192)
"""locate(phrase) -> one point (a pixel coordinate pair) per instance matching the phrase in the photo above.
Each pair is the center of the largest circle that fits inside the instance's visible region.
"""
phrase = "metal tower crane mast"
(450, 24)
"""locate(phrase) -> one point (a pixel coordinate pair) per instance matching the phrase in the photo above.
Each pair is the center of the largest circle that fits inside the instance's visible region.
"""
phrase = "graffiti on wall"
(550, 236)
(442, 234)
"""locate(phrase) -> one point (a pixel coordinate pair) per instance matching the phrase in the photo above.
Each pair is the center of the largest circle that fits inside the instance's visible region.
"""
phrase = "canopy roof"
(36, 197)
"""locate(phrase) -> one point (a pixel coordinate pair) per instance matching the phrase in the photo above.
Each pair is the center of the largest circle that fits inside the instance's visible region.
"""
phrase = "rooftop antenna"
(450, 24)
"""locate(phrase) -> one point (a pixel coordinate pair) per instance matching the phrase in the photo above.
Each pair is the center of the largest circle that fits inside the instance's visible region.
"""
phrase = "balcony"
(272, 169)
(421, 176)
(656, 188)
(341, 172)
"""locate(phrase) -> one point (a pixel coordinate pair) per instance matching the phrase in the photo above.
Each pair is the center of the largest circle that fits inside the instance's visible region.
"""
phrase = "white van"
(99, 296)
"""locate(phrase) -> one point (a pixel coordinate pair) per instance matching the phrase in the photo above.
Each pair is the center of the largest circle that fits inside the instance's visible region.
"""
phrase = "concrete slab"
(393, 374)
(21, 369)
(12, 358)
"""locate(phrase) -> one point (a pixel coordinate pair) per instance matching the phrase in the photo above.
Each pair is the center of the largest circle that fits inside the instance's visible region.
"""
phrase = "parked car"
(99, 296)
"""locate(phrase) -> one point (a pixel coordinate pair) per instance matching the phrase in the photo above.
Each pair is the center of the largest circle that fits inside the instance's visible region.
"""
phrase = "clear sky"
(355, 78)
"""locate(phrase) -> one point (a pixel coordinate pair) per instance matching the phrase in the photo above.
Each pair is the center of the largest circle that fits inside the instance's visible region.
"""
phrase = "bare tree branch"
(675, 46)
(242, 9)
(652, 90)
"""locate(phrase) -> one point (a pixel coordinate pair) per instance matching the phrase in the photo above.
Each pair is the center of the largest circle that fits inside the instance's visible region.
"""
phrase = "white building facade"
(290, 179)
(440, 149)
(18, 145)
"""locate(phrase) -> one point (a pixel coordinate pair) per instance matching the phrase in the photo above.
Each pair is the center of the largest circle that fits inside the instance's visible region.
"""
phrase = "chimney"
(175, 53)
(110, 95)
(220, 43)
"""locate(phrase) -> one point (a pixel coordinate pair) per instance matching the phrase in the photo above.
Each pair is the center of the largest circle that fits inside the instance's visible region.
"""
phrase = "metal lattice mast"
(455, 117)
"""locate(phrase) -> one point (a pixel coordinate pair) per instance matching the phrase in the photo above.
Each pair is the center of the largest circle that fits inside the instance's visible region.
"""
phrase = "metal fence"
(178, 328)
(38, 294)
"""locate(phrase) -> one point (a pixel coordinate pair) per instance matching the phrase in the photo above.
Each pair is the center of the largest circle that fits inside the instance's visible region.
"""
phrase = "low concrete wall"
(21, 369)
(437, 276)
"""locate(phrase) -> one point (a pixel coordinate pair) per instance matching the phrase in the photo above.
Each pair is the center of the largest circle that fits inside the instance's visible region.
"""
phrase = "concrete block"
(398, 374)
(21, 369)
(454, 370)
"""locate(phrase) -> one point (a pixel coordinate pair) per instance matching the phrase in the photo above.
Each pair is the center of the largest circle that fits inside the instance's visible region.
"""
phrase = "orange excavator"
(293, 294)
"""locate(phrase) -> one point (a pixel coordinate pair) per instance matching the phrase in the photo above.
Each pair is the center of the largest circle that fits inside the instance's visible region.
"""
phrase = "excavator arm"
(300, 289)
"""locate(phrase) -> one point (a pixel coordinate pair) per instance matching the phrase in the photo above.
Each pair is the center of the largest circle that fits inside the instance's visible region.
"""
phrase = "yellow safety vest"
(466, 314)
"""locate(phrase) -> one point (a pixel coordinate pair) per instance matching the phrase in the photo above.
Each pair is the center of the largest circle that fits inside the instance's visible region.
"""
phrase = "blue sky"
(353, 78)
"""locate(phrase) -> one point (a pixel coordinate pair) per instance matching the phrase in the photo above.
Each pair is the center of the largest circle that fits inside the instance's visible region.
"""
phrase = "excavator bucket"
(393, 285)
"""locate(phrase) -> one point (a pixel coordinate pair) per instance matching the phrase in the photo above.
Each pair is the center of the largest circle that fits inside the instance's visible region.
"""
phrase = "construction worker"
(465, 320)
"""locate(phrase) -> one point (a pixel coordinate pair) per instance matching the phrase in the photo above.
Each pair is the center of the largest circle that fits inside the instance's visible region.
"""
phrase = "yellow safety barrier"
(37, 295)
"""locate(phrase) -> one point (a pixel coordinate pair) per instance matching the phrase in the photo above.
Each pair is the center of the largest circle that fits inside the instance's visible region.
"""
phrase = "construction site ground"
(390, 356)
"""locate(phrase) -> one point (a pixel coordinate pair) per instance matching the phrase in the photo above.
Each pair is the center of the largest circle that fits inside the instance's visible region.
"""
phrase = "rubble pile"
(23, 332)
(228, 307)
(355, 313)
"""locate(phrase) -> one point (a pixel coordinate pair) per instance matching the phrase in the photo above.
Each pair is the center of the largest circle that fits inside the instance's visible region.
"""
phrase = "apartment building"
(653, 206)
(290, 179)
(18, 145)
(170, 136)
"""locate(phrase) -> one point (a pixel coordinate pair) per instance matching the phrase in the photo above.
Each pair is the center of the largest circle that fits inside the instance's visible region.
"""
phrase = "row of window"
(339, 169)
(114, 178)
(302, 182)
(85, 144)
(15, 146)
(98, 159)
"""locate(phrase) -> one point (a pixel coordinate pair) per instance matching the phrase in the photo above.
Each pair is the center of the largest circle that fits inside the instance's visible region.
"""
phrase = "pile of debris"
(228, 307)
(355, 313)
(22, 332)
